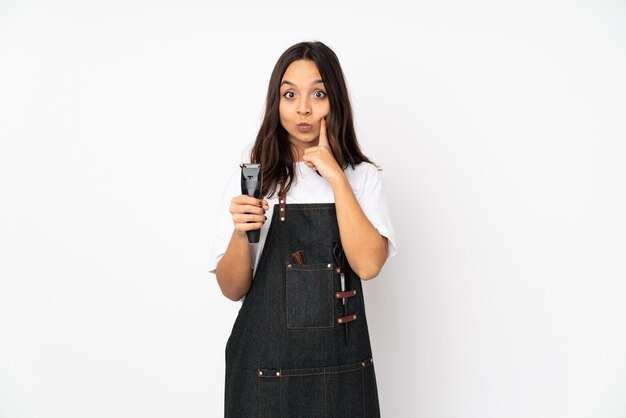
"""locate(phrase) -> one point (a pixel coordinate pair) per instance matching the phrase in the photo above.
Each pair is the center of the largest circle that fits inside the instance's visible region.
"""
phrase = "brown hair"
(272, 148)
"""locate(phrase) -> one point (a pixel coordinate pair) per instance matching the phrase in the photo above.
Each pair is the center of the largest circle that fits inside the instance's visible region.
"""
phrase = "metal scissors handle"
(338, 256)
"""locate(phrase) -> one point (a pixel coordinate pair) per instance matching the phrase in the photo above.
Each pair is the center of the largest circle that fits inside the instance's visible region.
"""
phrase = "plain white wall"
(500, 129)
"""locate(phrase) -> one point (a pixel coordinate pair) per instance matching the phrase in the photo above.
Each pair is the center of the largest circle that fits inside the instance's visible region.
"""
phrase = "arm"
(233, 272)
(364, 247)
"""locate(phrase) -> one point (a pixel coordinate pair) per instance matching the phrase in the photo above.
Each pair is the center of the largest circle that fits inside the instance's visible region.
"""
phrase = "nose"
(303, 106)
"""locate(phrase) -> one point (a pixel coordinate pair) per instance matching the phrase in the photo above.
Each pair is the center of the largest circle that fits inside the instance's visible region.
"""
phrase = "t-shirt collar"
(305, 170)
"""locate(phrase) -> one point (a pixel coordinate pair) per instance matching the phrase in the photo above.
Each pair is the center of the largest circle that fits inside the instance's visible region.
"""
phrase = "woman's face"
(303, 104)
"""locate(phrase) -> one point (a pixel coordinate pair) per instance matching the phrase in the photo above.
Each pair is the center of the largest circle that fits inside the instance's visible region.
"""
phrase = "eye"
(319, 94)
(289, 95)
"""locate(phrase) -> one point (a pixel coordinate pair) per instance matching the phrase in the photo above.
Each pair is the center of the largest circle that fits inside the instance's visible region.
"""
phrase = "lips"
(304, 127)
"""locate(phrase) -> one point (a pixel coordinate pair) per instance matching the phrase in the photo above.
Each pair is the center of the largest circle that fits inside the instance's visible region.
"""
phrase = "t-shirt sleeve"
(224, 222)
(373, 201)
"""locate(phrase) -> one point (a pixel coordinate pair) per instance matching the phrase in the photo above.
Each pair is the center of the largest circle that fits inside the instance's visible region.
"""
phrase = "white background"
(499, 126)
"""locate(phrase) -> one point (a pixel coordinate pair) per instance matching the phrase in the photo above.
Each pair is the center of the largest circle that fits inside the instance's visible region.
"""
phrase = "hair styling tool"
(339, 259)
(298, 257)
(251, 182)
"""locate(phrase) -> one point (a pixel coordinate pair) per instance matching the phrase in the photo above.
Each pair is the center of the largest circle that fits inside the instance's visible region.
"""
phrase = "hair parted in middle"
(272, 148)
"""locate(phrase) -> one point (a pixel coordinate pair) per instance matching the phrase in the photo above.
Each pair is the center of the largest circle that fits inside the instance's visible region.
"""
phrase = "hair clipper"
(251, 182)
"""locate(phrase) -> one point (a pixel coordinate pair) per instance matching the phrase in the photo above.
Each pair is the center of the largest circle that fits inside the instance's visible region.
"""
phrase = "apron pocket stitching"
(315, 371)
(309, 296)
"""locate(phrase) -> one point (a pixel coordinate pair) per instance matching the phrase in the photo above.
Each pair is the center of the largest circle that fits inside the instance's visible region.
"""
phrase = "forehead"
(302, 72)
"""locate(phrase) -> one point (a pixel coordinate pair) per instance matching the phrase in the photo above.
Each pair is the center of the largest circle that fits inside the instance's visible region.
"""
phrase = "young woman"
(300, 345)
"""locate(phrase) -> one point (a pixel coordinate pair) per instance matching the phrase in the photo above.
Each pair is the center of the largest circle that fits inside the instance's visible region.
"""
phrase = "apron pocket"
(309, 296)
(343, 391)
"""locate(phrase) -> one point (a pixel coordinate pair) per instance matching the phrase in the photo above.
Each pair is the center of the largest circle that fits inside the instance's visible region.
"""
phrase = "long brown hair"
(272, 148)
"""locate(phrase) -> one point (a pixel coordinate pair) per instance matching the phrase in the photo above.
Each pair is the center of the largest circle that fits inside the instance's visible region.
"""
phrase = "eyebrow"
(291, 84)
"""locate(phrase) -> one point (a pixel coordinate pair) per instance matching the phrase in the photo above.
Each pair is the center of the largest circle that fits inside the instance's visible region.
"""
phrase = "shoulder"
(362, 173)
(362, 170)
(233, 184)
(362, 176)
(234, 176)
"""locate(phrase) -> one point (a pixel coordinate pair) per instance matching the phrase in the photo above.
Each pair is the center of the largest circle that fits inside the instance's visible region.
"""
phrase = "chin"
(305, 139)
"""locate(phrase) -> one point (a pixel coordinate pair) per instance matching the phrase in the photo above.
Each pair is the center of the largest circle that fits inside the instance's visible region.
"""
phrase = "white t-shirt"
(309, 187)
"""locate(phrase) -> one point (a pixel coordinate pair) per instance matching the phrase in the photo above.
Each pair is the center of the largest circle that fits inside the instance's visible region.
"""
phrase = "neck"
(298, 152)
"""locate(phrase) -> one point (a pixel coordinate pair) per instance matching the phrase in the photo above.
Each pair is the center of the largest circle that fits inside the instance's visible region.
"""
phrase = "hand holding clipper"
(251, 182)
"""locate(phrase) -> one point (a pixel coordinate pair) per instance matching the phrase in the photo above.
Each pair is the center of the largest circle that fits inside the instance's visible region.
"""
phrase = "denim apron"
(296, 349)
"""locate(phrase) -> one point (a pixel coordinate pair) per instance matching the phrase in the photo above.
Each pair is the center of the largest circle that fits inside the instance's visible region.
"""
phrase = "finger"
(248, 226)
(242, 218)
(237, 208)
(245, 199)
(249, 200)
(308, 157)
(309, 162)
(323, 141)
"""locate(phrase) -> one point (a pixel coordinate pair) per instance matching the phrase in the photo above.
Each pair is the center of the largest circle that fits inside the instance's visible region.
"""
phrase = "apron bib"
(300, 345)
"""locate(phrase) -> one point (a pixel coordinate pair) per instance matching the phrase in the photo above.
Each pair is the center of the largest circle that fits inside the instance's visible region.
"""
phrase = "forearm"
(364, 247)
(233, 272)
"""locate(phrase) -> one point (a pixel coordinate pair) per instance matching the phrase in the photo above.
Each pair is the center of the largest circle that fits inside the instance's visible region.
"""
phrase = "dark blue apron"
(296, 350)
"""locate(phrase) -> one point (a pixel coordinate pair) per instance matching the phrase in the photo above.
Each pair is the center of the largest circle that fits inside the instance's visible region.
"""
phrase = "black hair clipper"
(251, 182)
